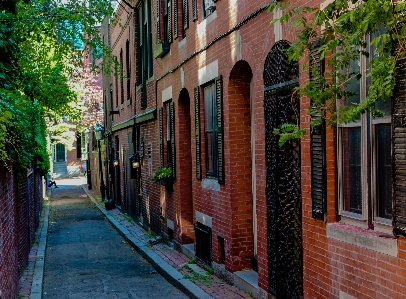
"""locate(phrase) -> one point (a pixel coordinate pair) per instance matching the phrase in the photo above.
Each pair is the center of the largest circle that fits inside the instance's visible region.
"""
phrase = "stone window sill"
(365, 238)
(211, 184)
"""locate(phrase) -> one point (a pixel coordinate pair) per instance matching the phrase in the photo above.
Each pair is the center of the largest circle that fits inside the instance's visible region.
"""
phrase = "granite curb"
(161, 266)
(36, 287)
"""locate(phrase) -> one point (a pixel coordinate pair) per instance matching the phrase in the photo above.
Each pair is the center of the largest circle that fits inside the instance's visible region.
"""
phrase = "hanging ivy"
(343, 26)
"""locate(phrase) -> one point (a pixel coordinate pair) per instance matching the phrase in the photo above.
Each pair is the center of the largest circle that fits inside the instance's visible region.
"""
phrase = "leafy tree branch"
(350, 31)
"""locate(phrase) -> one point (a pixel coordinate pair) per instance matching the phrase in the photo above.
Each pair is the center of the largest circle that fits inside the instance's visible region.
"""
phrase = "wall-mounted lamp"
(135, 160)
(115, 162)
(99, 131)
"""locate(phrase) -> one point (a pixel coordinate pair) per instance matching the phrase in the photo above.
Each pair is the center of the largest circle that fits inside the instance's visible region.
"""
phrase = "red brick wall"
(151, 210)
(21, 199)
(329, 265)
(231, 207)
(8, 230)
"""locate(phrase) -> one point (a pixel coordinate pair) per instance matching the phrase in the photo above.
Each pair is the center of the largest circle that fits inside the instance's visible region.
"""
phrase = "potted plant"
(163, 176)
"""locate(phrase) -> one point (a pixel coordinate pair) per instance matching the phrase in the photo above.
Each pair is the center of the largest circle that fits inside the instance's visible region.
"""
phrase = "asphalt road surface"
(87, 258)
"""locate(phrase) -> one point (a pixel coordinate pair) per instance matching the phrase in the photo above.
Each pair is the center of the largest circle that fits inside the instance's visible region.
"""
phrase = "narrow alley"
(87, 258)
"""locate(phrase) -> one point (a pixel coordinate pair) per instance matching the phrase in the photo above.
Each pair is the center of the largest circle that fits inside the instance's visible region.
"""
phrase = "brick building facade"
(206, 104)
(22, 200)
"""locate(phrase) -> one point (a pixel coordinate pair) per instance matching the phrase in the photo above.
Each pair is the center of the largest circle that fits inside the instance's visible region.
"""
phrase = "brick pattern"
(231, 207)
(8, 228)
(22, 198)
(329, 266)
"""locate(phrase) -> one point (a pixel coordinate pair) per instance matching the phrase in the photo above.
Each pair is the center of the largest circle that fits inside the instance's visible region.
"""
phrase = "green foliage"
(342, 26)
(288, 132)
(194, 277)
(42, 46)
(162, 173)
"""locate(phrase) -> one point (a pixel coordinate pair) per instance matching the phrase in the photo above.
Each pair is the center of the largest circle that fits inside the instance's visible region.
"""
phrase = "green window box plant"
(163, 176)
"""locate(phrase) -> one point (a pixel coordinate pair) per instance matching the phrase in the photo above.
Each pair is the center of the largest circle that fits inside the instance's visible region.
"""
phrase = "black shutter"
(399, 149)
(318, 146)
(197, 133)
(161, 136)
(185, 14)
(318, 164)
(219, 130)
(158, 21)
(175, 19)
(172, 124)
(194, 10)
(170, 21)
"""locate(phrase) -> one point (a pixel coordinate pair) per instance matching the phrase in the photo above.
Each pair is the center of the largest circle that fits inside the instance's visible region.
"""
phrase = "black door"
(60, 152)
(283, 177)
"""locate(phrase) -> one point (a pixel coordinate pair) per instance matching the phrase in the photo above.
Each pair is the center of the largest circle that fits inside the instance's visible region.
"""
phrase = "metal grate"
(203, 243)
(283, 177)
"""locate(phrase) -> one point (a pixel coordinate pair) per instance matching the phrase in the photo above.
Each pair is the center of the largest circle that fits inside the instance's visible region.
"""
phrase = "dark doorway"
(185, 168)
(60, 152)
(283, 189)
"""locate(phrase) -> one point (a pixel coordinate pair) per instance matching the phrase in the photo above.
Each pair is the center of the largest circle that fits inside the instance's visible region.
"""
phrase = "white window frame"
(361, 220)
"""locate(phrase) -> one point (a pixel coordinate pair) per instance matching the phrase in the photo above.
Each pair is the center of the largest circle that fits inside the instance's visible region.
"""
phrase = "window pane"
(209, 128)
(168, 122)
(354, 84)
(208, 107)
(384, 170)
(209, 153)
(385, 106)
(352, 169)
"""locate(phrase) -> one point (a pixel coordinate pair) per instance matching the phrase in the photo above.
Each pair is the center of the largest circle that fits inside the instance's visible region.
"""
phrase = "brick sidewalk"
(28, 274)
(211, 284)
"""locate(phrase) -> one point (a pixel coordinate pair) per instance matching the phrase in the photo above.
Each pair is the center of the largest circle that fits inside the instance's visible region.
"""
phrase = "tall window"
(185, 17)
(208, 8)
(167, 20)
(127, 66)
(121, 77)
(144, 42)
(111, 97)
(210, 125)
(117, 89)
(168, 133)
(365, 155)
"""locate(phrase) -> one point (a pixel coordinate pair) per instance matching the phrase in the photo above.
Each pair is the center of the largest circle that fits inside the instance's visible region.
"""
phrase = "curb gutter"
(36, 287)
(161, 266)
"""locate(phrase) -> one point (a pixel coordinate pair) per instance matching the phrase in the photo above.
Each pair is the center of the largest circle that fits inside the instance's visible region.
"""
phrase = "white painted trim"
(344, 295)
(167, 94)
(170, 224)
(204, 219)
(181, 43)
(182, 76)
(201, 27)
(277, 26)
(208, 72)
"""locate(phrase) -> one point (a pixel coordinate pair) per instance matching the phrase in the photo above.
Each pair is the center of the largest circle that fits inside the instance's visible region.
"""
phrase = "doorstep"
(188, 250)
(247, 281)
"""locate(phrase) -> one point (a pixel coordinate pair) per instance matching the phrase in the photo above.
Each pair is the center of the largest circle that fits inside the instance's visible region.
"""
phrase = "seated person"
(51, 183)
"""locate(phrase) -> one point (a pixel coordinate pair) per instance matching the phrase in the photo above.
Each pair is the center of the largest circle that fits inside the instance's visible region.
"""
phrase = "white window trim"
(361, 220)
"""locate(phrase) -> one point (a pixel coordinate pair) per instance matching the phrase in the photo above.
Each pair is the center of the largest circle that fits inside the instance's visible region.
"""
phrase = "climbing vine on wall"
(342, 26)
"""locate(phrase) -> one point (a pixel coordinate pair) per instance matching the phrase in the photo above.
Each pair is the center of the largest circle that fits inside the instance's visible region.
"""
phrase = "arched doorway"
(283, 190)
(185, 168)
(241, 168)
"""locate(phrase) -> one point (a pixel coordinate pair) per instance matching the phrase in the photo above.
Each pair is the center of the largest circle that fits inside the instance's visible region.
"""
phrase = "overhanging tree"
(342, 27)
(42, 45)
